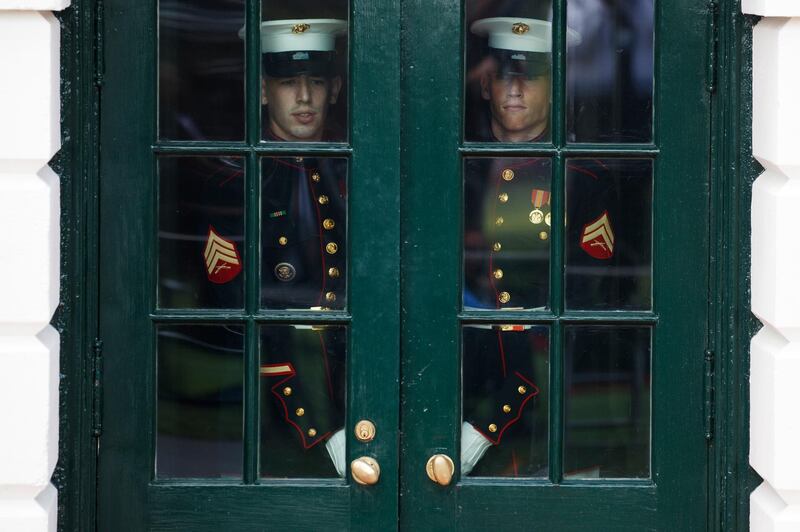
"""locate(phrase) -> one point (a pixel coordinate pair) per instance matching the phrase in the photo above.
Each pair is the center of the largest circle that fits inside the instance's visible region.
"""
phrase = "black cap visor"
(529, 65)
(290, 64)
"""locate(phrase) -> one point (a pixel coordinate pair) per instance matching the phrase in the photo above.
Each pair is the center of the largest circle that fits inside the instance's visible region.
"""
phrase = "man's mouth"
(305, 117)
(514, 108)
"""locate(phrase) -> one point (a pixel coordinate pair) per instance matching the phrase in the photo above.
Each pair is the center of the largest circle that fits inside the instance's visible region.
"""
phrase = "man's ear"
(485, 87)
(264, 100)
(336, 86)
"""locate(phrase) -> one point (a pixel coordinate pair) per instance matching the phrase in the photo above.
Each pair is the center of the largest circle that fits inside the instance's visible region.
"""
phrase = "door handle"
(365, 470)
(440, 469)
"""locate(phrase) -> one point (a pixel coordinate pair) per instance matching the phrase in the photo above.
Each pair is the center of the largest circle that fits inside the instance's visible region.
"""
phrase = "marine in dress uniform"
(303, 252)
(507, 251)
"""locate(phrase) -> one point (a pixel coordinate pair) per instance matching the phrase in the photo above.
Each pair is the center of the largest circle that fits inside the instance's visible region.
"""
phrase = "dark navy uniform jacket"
(303, 266)
(508, 224)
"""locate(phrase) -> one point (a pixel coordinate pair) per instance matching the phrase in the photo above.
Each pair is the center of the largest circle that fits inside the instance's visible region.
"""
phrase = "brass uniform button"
(299, 159)
(506, 408)
(315, 177)
(543, 235)
(492, 428)
(328, 224)
(323, 199)
(503, 197)
(333, 273)
(504, 297)
(300, 412)
(331, 248)
(312, 432)
(283, 241)
(508, 174)
(287, 391)
(522, 390)
(497, 246)
(330, 296)
(499, 220)
(498, 273)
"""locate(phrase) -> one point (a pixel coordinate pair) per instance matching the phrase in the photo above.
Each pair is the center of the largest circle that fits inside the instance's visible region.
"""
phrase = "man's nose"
(303, 90)
(514, 86)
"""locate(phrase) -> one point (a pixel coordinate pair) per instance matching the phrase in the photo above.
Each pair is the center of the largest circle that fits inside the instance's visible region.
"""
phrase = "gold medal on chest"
(536, 216)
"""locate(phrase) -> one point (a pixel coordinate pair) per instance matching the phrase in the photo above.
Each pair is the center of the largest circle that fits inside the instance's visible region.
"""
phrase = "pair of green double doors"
(532, 310)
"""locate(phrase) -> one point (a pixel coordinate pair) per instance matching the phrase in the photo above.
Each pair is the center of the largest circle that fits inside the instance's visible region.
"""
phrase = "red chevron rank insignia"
(598, 238)
(222, 258)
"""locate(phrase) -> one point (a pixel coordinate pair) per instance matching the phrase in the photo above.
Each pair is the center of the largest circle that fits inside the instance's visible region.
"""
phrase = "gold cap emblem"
(520, 28)
(302, 28)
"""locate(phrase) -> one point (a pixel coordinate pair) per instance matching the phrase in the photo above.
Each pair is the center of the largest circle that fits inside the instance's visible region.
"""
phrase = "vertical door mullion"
(252, 240)
(556, 329)
(558, 119)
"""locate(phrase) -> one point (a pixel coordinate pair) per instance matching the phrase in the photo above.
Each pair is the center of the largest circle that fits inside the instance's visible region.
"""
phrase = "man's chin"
(306, 132)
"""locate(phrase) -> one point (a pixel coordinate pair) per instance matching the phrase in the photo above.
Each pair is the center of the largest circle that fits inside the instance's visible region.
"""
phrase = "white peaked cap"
(307, 35)
(519, 34)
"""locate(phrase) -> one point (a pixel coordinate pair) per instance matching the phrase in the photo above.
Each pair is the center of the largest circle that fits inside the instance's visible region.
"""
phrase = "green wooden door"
(249, 301)
(576, 353)
(531, 305)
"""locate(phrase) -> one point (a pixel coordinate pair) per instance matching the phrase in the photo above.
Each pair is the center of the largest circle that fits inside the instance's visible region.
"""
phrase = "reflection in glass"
(302, 401)
(304, 233)
(505, 386)
(304, 70)
(200, 413)
(201, 232)
(508, 71)
(610, 73)
(608, 262)
(201, 70)
(607, 402)
(507, 228)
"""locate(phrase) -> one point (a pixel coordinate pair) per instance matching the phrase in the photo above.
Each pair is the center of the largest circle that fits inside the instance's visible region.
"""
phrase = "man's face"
(298, 106)
(520, 106)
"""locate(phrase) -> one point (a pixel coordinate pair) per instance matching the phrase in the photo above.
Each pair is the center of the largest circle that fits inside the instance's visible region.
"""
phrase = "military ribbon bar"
(540, 197)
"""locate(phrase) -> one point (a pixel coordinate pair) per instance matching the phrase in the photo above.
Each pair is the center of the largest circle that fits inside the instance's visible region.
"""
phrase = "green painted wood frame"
(128, 496)
(677, 496)
(731, 325)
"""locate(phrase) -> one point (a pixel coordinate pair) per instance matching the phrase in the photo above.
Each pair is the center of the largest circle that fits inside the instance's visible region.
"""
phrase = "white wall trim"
(775, 217)
(29, 263)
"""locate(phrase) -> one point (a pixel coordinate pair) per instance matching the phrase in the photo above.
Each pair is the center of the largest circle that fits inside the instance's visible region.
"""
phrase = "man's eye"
(319, 82)
(287, 82)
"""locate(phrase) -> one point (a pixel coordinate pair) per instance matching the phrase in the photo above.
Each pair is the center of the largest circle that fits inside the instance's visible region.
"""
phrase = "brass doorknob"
(365, 470)
(440, 469)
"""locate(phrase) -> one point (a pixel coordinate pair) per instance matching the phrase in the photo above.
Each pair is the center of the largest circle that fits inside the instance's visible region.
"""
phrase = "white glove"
(335, 446)
(473, 447)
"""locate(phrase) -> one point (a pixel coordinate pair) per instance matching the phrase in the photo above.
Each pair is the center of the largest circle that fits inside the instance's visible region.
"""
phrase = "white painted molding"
(772, 8)
(30, 134)
(29, 85)
(776, 85)
(775, 274)
(29, 411)
(33, 5)
(36, 514)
